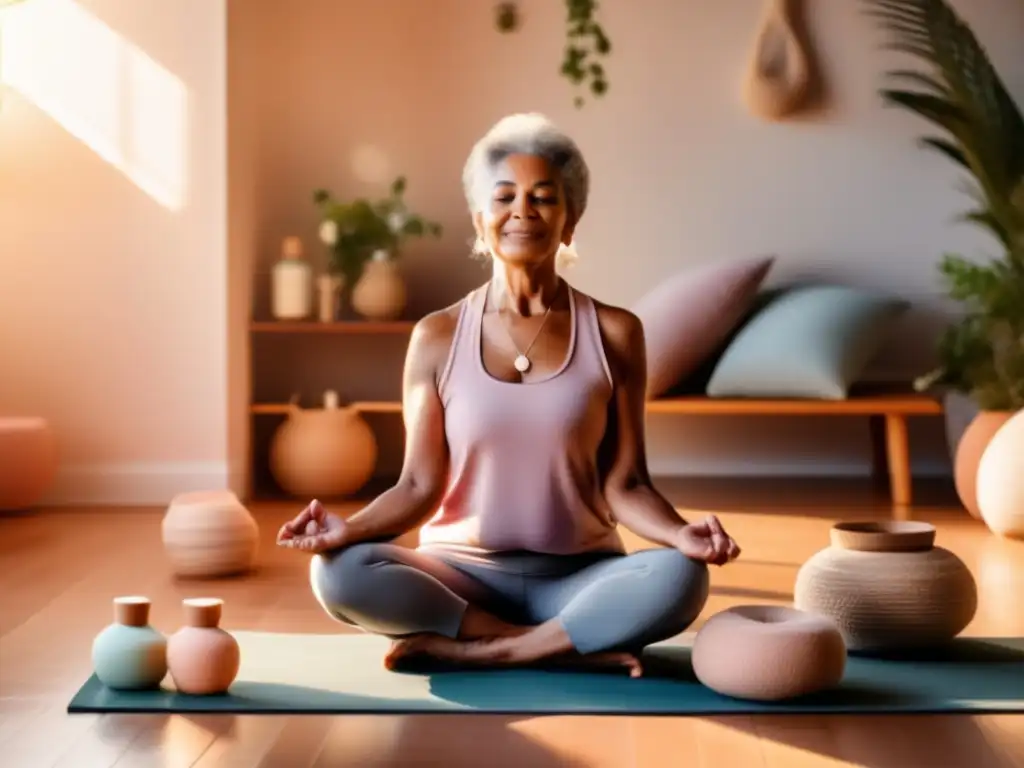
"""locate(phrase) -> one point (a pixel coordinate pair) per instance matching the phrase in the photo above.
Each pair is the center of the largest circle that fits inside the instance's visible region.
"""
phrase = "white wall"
(682, 174)
(123, 310)
(113, 187)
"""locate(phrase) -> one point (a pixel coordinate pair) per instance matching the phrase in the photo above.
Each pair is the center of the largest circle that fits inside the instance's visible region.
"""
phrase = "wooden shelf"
(910, 405)
(341, 327)
(366, 406)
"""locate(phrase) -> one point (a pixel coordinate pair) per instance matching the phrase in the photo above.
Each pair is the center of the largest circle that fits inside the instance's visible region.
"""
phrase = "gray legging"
(605, 601)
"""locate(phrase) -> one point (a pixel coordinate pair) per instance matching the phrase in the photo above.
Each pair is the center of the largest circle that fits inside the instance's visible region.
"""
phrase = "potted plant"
(364, 239)
(981, 356)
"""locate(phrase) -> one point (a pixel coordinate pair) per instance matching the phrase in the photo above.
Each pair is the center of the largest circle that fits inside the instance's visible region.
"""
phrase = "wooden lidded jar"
(887, 586)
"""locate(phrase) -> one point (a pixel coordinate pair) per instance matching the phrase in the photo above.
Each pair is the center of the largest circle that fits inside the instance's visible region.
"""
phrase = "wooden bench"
(886, 407)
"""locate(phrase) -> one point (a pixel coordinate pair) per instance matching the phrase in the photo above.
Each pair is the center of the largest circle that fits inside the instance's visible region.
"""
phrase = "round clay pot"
(323, 452)
(380, 292)
(28, 461)
(1001, 480)
(968, 455)
(203, 659)
(768, 653)
(130, 655)
(887, 586)
(209, 534)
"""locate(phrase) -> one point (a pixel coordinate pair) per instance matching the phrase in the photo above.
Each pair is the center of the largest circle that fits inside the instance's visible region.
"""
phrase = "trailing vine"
(586, 44)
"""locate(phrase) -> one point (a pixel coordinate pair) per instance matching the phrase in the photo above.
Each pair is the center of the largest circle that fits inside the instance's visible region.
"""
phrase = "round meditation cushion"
(208, 534)
(28, 461)
(768, 653)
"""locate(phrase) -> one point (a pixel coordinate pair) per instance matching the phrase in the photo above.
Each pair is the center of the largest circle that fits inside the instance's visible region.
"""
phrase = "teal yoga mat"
(334, 674)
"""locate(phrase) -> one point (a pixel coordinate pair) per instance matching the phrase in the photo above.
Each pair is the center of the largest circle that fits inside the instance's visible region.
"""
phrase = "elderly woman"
(524, 411)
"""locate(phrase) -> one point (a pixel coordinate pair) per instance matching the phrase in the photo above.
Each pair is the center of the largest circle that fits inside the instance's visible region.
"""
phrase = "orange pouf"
(28, 461)
(768, 653)
(208, 534)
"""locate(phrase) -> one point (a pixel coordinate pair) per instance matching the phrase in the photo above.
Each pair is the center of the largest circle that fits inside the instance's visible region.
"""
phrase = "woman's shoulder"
(620, 327)
(434, 333)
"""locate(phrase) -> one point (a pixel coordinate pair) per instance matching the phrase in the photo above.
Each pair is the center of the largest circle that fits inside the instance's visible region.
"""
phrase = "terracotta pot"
(202, 658)
(968, 455)
(380, 292)
(130, 654)
(887, 586)
(323, 452)
(209, 534)
(1000, 485)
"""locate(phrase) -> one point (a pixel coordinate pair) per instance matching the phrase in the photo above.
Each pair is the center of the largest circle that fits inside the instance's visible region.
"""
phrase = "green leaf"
(982, 353)
(948, 148)
(920, 79)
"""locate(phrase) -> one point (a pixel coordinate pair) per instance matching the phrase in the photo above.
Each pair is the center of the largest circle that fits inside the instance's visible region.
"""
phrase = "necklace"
(522, 362)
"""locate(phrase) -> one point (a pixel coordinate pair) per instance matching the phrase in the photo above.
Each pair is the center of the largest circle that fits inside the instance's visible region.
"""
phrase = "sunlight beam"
(114, 98)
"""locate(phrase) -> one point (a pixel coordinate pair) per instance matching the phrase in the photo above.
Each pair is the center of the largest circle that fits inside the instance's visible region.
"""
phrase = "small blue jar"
(130, 654)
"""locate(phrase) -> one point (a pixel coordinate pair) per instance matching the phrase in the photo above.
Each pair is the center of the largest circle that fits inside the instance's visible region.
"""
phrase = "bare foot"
(499, 652)
(429, 647)
(611, 661)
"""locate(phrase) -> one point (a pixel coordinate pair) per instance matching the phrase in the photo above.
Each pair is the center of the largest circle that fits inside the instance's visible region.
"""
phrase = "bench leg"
(879, 451)
(898, 449)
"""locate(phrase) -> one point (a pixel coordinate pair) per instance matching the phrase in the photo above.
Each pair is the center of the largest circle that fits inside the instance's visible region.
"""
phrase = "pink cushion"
(687, 316)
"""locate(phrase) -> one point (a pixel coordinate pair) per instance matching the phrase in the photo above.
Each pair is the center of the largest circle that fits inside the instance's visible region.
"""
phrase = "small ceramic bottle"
(203, 659)
(130, 654)
(328, 293)
(291, 283)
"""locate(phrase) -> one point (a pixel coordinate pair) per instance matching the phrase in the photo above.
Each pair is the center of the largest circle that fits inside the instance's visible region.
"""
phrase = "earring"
(567, 255)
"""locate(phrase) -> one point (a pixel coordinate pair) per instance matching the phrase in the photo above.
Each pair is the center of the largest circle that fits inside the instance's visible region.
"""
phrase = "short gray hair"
(528, 134)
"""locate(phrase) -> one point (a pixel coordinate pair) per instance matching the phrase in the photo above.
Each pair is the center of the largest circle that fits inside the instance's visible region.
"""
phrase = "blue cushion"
(809, 342)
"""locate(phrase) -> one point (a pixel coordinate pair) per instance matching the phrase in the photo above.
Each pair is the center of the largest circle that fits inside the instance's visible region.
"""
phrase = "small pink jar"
(202, 658)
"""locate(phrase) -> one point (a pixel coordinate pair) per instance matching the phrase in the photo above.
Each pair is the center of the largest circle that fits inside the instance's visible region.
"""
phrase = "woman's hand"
(314, 530)
(707, 541)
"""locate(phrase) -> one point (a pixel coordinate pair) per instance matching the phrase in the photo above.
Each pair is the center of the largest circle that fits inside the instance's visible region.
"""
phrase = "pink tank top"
(523, 472)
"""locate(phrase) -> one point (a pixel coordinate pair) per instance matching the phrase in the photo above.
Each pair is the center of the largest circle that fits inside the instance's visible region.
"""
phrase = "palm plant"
(982, 131)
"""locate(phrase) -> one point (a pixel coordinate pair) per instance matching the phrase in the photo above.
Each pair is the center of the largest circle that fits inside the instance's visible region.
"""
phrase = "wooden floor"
(60, 569)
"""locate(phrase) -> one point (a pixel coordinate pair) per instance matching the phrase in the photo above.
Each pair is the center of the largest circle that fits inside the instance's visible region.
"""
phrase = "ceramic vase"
(972, 445)
(380, 292)
(323, 452)
(209, 534)
(203, 659)
(130, 654)
(1000, 485)
(887, 586)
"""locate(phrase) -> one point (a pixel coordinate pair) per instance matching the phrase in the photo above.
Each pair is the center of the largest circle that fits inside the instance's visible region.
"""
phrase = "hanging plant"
(586, 43)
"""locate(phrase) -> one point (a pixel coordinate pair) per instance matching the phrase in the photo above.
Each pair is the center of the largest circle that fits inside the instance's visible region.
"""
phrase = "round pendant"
(522, 364)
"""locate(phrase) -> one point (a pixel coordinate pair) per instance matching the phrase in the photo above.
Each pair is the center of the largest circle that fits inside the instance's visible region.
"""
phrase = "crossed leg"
(599, 615)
